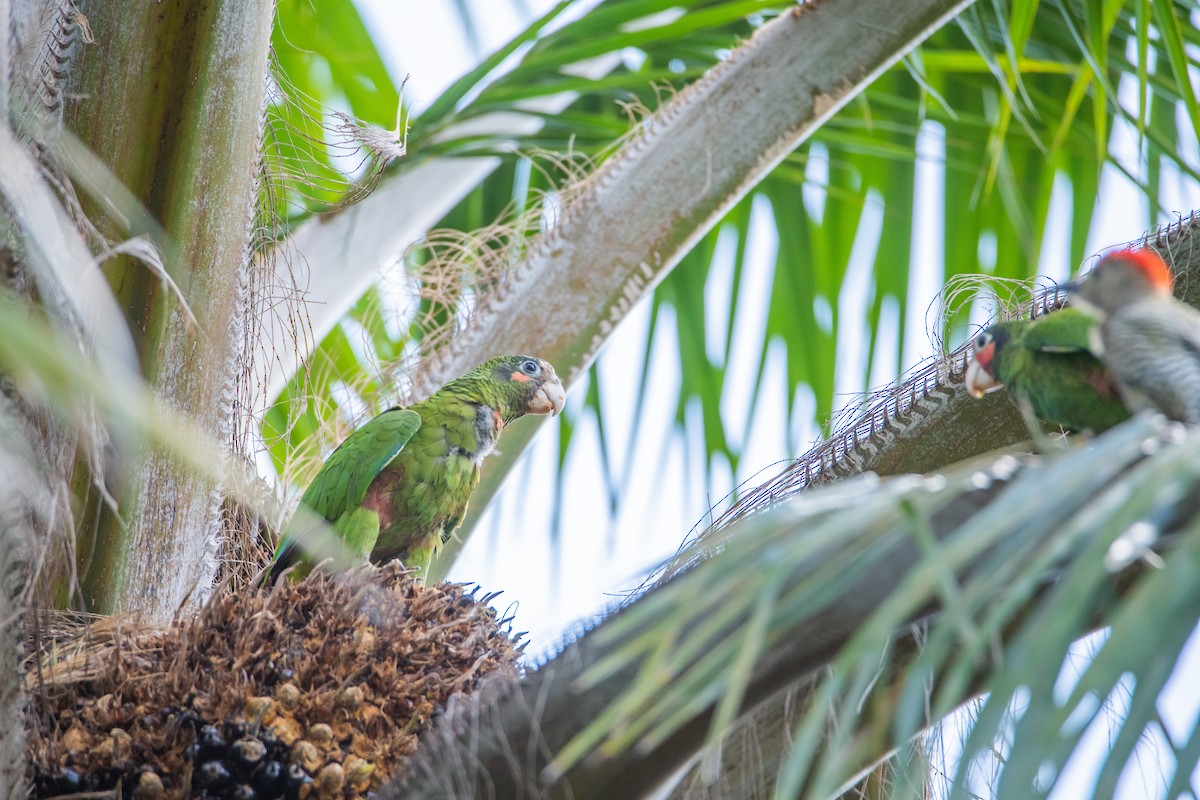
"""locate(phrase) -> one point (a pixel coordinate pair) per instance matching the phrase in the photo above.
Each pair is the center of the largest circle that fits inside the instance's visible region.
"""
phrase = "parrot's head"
(981, 373)
(528, 385)
(1120, 277)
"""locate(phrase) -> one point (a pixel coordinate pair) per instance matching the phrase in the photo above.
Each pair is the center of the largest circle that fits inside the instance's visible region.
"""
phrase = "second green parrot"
(1045, 363)
(398, 486)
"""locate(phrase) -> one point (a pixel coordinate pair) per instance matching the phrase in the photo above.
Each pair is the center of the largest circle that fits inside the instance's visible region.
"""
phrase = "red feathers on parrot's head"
(1148, 263)
(985, 350)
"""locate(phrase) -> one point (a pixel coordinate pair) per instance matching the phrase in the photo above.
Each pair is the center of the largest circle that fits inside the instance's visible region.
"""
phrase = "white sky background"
(551, 587)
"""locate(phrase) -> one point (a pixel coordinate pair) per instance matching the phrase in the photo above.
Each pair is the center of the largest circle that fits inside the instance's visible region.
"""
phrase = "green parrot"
(1046, 366)
(398, 486)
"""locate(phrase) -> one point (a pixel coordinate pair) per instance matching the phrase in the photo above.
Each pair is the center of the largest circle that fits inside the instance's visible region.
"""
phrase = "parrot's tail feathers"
(287, 557)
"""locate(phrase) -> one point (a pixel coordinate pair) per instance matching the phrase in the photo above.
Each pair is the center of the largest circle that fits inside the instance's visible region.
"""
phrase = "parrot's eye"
(983, 340)
(530, 367)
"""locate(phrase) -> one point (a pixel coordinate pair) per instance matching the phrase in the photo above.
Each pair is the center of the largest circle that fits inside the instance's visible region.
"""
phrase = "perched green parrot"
(398, 486)
(1147, 339)
(1045, 364)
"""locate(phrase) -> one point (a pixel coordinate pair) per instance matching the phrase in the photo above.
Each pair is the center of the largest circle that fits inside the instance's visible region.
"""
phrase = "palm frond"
(896, 599)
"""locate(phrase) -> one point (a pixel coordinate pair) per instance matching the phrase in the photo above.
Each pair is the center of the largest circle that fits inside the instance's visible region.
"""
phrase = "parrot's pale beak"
(979, 380)
(549, 398)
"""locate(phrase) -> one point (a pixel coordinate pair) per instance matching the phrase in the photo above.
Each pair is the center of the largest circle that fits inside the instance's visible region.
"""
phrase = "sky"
(554, 584)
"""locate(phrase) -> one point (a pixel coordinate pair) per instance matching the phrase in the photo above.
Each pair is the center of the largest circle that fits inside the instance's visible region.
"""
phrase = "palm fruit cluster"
(312, 691)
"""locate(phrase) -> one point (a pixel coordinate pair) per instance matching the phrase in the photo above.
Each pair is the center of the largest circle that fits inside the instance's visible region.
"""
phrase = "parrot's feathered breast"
(421, 497)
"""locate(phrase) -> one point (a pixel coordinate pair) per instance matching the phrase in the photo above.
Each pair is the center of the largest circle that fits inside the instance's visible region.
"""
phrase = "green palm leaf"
(1002, 561)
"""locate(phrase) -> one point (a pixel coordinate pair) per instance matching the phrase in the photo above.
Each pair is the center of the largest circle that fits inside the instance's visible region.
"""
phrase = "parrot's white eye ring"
(530, 367)
(983, 340)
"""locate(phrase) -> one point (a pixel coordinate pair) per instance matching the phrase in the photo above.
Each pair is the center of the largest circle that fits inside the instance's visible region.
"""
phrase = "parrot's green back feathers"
(343, 481)
(1067, 330)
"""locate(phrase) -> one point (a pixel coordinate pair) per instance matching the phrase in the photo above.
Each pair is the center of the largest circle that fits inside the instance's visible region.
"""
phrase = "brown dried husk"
(336, 675)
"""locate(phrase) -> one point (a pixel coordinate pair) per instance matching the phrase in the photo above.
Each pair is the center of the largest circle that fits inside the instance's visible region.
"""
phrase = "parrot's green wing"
(337, 492)
(1064, 331)
(1047, 365)
(342, 483)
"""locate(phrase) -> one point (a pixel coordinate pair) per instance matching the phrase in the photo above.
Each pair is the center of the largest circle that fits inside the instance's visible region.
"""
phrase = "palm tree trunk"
(170, 98)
